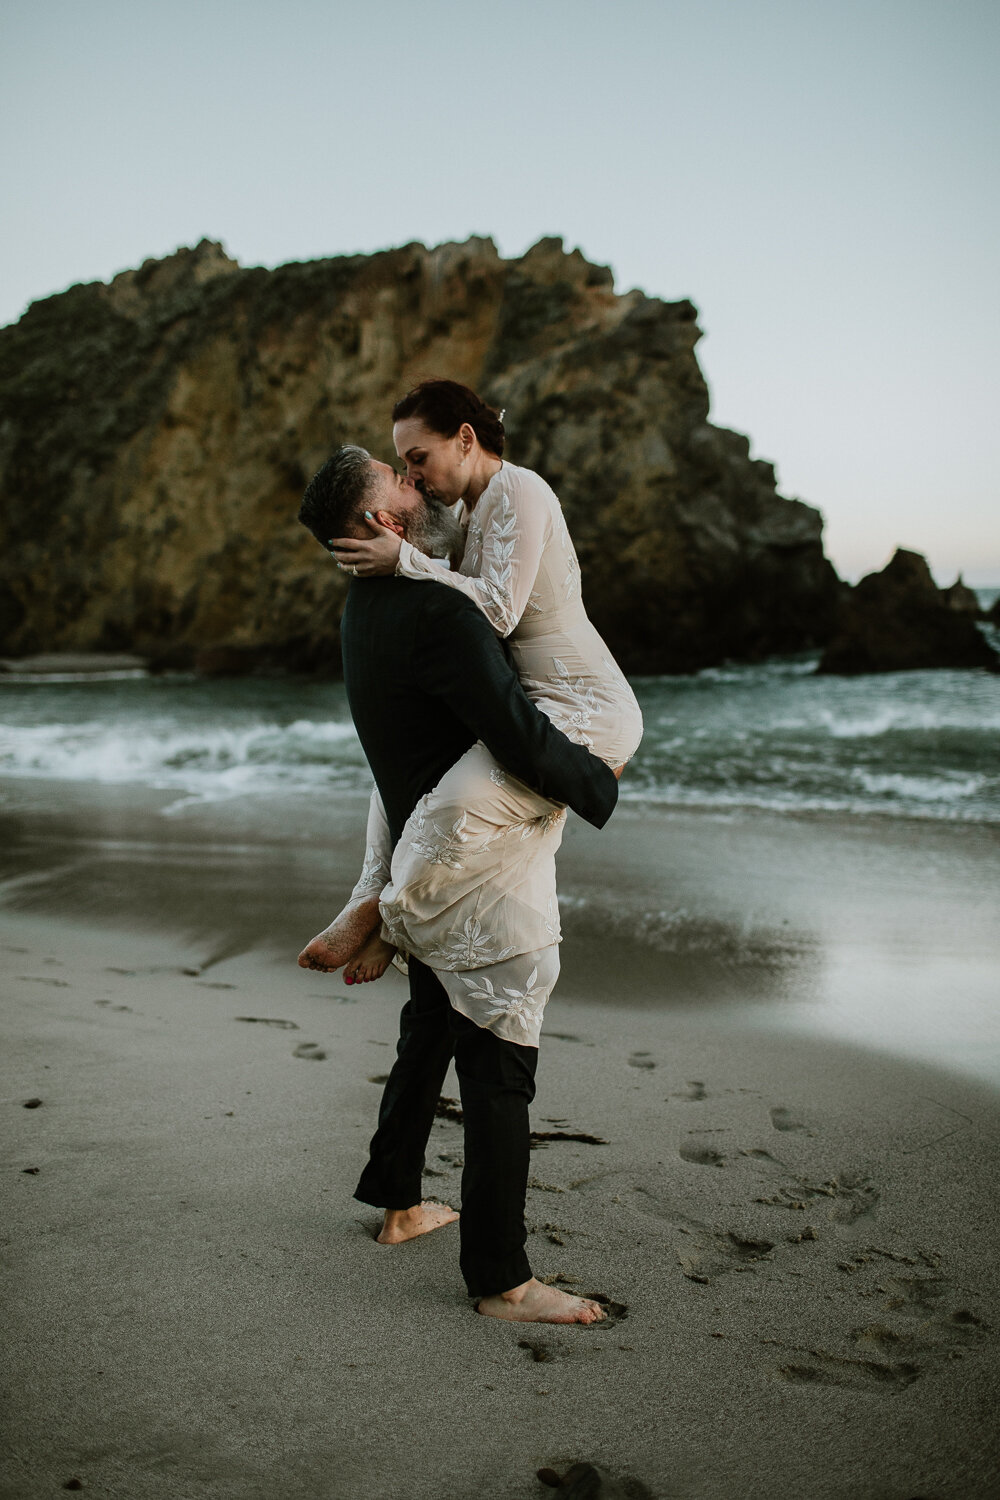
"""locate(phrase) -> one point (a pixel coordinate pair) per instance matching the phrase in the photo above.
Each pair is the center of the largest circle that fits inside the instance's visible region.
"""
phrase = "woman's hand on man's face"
(373, 557)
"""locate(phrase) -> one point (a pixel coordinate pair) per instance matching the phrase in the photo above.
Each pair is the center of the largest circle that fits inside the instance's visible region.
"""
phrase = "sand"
(796, 1219)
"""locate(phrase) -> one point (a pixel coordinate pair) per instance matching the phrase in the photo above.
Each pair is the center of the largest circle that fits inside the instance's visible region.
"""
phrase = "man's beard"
(434, 530)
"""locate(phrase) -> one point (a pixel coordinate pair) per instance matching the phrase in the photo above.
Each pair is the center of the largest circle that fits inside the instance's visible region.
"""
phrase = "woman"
(457, 852)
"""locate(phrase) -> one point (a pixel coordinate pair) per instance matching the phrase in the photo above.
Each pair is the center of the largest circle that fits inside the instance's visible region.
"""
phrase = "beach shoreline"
(801, 1227)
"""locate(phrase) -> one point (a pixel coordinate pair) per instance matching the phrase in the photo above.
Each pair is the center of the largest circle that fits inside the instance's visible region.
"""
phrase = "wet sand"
(799, 1230)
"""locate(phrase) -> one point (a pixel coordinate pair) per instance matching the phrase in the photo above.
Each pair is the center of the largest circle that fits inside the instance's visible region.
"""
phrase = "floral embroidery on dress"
(513, 1004)
(571, 583)
(551, 920)
(439, 846)
(498, 776)
(550, 821)
(582, 699)
(472, 948)
(498, 550)
(374, 872)
(395, 931)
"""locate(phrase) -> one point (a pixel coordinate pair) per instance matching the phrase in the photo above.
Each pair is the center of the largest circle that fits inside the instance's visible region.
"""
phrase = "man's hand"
(374, 557)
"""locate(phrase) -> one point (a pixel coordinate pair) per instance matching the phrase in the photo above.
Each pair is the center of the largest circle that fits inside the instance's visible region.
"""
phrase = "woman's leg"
(349, 935)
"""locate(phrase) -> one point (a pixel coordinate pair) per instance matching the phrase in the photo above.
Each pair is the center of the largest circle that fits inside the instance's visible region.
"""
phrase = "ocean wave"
(944, 789)
(909, 718)
(207, 761)
(929, 802)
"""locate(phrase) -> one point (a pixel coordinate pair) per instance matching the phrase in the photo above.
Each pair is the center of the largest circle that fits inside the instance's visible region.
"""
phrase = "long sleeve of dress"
(502, 555)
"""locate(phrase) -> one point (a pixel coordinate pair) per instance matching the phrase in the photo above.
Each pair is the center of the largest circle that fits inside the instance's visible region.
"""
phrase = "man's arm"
(458, 658)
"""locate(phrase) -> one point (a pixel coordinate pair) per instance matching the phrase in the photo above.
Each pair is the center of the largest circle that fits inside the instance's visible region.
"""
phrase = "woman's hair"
(443, 405)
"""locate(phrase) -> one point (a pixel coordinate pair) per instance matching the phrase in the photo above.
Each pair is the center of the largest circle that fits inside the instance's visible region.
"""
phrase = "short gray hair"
(335, 497)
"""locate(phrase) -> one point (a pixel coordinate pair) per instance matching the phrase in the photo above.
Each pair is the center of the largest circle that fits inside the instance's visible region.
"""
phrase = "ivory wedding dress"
(470, 887)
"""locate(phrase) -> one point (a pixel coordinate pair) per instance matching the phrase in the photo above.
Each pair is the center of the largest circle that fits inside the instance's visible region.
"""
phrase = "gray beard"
(435, 531)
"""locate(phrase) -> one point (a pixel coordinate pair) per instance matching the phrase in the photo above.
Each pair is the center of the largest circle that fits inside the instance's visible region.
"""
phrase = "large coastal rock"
(157, 433)
(900, 621)
(961, 598)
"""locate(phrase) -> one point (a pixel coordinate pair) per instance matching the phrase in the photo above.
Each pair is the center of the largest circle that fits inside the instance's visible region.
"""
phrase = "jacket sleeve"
(459, 659)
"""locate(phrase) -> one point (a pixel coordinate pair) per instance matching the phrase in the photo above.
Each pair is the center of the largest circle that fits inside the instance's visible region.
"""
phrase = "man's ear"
(387, 519)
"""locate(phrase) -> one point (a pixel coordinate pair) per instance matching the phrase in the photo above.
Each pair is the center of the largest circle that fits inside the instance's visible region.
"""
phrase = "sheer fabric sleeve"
(502, 557)
(378, 851)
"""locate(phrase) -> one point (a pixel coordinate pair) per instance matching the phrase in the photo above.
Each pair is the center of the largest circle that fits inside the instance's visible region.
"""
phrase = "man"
(426, 678)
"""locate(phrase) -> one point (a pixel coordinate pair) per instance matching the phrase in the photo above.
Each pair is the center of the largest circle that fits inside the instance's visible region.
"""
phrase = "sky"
(818, 176)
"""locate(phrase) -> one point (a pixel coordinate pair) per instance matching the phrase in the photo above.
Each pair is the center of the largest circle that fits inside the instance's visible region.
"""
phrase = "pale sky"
(818, 176)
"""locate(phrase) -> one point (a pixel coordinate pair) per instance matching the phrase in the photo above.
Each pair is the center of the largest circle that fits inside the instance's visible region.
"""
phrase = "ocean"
(773, 736)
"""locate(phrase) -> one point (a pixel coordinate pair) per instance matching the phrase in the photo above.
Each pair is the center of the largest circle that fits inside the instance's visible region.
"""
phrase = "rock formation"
(961, 598)
(156, 434)
(899, 620)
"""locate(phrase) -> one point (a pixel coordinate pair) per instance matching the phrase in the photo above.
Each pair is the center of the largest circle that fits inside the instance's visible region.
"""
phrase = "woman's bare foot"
(339, 942)
(534, 1302)
(370, 962)
(406, 1223)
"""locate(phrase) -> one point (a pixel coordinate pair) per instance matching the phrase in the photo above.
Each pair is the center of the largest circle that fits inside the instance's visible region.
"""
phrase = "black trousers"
(496, 1079)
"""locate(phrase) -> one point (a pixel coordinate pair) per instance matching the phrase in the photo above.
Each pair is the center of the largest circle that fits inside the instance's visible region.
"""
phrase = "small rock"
(32, 1103)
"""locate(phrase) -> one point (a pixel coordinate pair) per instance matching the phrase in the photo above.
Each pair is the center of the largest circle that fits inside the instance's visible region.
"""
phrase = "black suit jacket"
(426, 677)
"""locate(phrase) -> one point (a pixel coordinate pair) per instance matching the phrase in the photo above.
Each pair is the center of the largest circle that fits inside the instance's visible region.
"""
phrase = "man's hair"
(334, 500)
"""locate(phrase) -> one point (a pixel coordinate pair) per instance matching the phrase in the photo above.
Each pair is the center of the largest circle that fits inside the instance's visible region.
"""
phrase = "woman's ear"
(466, 437)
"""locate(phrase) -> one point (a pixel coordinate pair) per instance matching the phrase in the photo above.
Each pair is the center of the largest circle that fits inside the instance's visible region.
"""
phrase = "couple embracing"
(476, 749)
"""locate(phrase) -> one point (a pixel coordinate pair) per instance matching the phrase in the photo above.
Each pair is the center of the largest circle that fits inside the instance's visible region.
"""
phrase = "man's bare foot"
(406, 1223)
(339, 942)
(370, 962)
(534, 1302)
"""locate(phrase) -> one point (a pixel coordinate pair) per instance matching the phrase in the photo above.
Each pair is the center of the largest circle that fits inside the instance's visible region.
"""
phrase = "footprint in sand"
(849, 1199)
(819, 1368)
(786, 1119)
(701, 1155)
(541, 1354)
(893, 1358)
(707, 1253)
(58, 984)
(310, 1050)
(641, 1060)
(268, 1021)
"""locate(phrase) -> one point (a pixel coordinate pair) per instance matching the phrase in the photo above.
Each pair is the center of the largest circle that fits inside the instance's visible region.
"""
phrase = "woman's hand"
(373, 557)
(617, 770)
